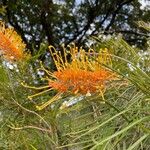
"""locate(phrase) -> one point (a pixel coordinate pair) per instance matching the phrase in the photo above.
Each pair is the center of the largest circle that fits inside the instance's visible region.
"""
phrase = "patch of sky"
(11, 66)
(145, 4)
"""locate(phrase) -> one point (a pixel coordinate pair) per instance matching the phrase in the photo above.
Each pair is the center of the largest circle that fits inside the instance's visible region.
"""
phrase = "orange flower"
(84, 75)
(11, 45)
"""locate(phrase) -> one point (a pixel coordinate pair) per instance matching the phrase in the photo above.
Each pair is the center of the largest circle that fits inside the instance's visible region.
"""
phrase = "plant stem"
(114, 107)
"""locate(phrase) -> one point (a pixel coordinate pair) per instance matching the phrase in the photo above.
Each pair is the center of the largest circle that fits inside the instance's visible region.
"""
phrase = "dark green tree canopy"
(66, 21)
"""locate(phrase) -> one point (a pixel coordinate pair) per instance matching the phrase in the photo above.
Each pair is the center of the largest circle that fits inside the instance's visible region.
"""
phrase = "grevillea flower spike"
(84, 74)
(11, 44)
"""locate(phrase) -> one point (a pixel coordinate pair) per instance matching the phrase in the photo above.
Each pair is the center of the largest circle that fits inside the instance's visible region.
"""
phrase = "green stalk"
(115, 108)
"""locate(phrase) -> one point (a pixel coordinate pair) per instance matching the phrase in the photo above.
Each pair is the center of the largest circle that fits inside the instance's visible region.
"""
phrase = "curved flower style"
(84, 74)
(11, 45)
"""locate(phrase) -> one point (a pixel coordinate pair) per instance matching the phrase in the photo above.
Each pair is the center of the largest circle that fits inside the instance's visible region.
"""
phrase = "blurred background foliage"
(121, 121)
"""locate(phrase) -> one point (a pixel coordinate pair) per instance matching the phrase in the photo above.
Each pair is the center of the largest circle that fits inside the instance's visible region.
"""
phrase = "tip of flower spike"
(38, 108)
(29, 97)
(64, 105)
(22, 83)
(88, 94)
